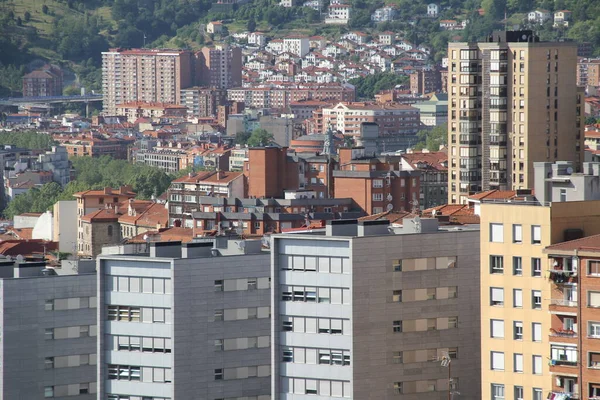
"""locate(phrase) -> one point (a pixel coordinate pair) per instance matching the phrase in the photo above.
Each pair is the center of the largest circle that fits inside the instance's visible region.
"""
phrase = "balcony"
(563, 303)
(563, 363)
(560, 277)
(569, 395)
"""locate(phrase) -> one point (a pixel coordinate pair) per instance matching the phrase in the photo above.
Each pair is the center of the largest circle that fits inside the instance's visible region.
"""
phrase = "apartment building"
(184, 321)
(90, 202)
(261, 216)
(363, 313)
(425, 81)
(574, 351)
(135, 110)
(220, 67)
(517, 305)
(95, 146)
(296, 45)
(145, 75)
(48, 331)
(433, 112)
(433, 181)
(392, 119)
(513, 101)
(43, 82)
(202, 101)
(376, 184)
(588, 72)
(283, 95)
(166, 160)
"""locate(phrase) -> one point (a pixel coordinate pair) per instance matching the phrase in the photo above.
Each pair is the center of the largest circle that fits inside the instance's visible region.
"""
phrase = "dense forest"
(73, 33)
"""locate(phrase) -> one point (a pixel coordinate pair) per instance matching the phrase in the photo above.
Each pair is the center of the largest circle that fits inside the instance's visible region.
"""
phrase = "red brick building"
(376, 184)
(43, 82)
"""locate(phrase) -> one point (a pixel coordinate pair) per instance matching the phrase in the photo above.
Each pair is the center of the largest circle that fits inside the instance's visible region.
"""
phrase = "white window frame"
(496, 232)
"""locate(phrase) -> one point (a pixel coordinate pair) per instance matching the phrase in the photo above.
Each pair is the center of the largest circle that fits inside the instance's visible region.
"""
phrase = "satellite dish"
(20, 258)
(389, 197)
(417, 219)
(265, 242)
(524, 37)
(9, 258)
(389, 207)
(569, 170)
(242, 245)
(146, 238)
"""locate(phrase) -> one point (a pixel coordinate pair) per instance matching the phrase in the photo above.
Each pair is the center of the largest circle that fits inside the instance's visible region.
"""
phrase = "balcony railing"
(570, 395)
(563, 302)
(563, 276)
(566, 363)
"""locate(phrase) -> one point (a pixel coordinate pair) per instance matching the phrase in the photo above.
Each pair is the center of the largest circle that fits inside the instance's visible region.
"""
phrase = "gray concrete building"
(185, 321)
(558, 181)
(369, 311)
(48, 329)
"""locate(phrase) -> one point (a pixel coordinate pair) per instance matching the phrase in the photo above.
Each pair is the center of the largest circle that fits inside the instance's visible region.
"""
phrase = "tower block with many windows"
(513, 101)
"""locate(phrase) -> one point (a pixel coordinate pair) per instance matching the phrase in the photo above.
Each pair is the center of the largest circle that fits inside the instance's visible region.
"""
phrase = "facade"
(282, 96)
(338, 14)
(185, 193)
(237, 158)
(135, 110)
(185, 322)
(588, 72)
(203, 102)
(220, 67)
(296, 45)
(96, 146)
(358, 291)
(516, 295)
(48, 332)
(392, 119)
(498, 128)
(432, 10)
(43, 82)
(99, 228)
(376, 184)
(64, 224)
(425, 81)
(558, 182)
(383, 14)
(434, 176)
(433, 112)
(263, 216)
(148, 76)
(574, 352)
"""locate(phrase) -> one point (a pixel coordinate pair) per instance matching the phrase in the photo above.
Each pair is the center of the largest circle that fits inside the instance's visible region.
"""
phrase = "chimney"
(107, 190)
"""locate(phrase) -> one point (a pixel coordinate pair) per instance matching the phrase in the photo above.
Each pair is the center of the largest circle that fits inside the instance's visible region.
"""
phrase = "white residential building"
(297, 45)
(538, 16)
(384, 14)
(338, 14)
(257, 38)
(432, 10)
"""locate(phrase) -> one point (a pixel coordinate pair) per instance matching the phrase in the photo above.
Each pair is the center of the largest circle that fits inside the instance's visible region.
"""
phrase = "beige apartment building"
(516, 291)
(145, 75)
(513, 101)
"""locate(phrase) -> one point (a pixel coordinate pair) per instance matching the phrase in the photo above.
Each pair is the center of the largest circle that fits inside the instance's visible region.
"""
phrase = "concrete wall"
(65, 225)
(23, 373)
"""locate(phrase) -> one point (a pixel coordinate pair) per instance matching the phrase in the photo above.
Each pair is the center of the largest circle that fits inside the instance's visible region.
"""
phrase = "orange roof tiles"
(165, 235)
(104, 215)
(152, 216)
(494, 194)
(590, 243)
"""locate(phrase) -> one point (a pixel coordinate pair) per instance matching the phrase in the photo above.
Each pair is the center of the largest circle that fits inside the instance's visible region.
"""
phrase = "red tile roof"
(152, 216)
(104, 215)
(494, 194)
(26, 247)
(165, 235)
(589, 243)
(21, 233)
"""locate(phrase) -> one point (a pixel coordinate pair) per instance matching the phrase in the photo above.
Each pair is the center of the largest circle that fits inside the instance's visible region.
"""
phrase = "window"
(218, 374)
(536, 234)
(497, 296)
(496, 265)
(377, 196)
(124, 372)
(497, 328)
(518, 330)
(496, 233)
(594, 267)
(218, 315)
(518, 362)
(397, 357)
(536, 299)
(594, 329)
(594, 360)
(537, 393)
(536, 267)
(397, 326)
(397, 296)
(517, 298)
(49, 362)
(219, 286)
(517, 266)
(377, 183)
(497, 359)
(49, 305)
(518, 392)
(537, 365)
(497, 392)
(49, 391)
(593, 299)
(536, 331)
(398, 387)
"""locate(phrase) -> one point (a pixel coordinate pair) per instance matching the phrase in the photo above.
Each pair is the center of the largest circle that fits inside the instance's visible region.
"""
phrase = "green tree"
(27, 16)
(260, 137)
(251, 25)
(242, 137)
(433, 139)
(45, 9)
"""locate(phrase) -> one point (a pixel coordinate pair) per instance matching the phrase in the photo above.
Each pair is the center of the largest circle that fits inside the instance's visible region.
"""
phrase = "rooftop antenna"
(144, 40)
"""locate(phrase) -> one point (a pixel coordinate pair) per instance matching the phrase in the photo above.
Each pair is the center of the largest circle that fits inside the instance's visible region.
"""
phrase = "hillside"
(73, 33)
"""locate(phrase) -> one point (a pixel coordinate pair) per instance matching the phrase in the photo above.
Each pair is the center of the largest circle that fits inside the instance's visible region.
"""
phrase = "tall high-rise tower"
(513, 101)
